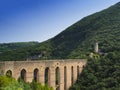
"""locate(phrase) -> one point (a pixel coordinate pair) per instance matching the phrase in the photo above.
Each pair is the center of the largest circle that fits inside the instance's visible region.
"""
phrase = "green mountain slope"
(77, 41)
(16, 51)
(17, 45)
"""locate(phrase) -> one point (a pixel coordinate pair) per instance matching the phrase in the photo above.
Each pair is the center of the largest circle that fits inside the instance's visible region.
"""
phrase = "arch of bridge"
(73, 68)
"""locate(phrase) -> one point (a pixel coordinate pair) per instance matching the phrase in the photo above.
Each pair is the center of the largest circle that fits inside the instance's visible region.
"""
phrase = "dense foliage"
(16, 51)
(100, 74)
(9, 83)
(17, 45)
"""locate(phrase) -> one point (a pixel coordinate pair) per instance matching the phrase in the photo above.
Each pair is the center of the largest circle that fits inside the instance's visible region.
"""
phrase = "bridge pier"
(75, 74)
(41, 76)
(52, 78)
(29, 76)
(68, 84)
(62, 78)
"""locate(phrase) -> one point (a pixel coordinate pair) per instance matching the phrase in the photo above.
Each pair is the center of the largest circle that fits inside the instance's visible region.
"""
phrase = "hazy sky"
(39, 20)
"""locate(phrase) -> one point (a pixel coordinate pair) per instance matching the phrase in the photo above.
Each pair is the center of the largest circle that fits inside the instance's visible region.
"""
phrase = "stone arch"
(78, 71)
(36, 75)
(83, 66)
(65, 78)
(9, 73)
(47, 76)
(23, 75)
(72, 75)
(57, 78)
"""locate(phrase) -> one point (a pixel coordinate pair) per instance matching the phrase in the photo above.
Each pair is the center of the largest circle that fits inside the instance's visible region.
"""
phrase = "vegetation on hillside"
(17, 51)
(9, 83)
(16, 45)
(100, 74)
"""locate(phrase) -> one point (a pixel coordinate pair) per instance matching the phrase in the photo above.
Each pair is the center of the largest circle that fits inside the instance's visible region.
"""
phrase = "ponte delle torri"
(59, 74)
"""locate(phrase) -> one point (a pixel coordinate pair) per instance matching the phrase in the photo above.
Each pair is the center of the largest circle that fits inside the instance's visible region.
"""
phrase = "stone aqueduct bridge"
(59, 74)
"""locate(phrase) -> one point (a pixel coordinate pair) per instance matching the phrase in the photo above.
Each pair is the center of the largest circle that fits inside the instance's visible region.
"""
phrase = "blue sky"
(39, 20)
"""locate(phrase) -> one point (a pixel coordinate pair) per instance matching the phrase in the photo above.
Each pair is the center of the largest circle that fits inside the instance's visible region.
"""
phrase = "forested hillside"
(77, 41)
(16, 51)
(17, 45)
(100, 74)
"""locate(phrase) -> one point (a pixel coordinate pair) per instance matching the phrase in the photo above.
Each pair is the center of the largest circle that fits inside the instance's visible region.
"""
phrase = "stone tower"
(96, 47)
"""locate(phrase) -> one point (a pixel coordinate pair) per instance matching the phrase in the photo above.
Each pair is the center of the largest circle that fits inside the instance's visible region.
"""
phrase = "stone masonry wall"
(73, 68)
